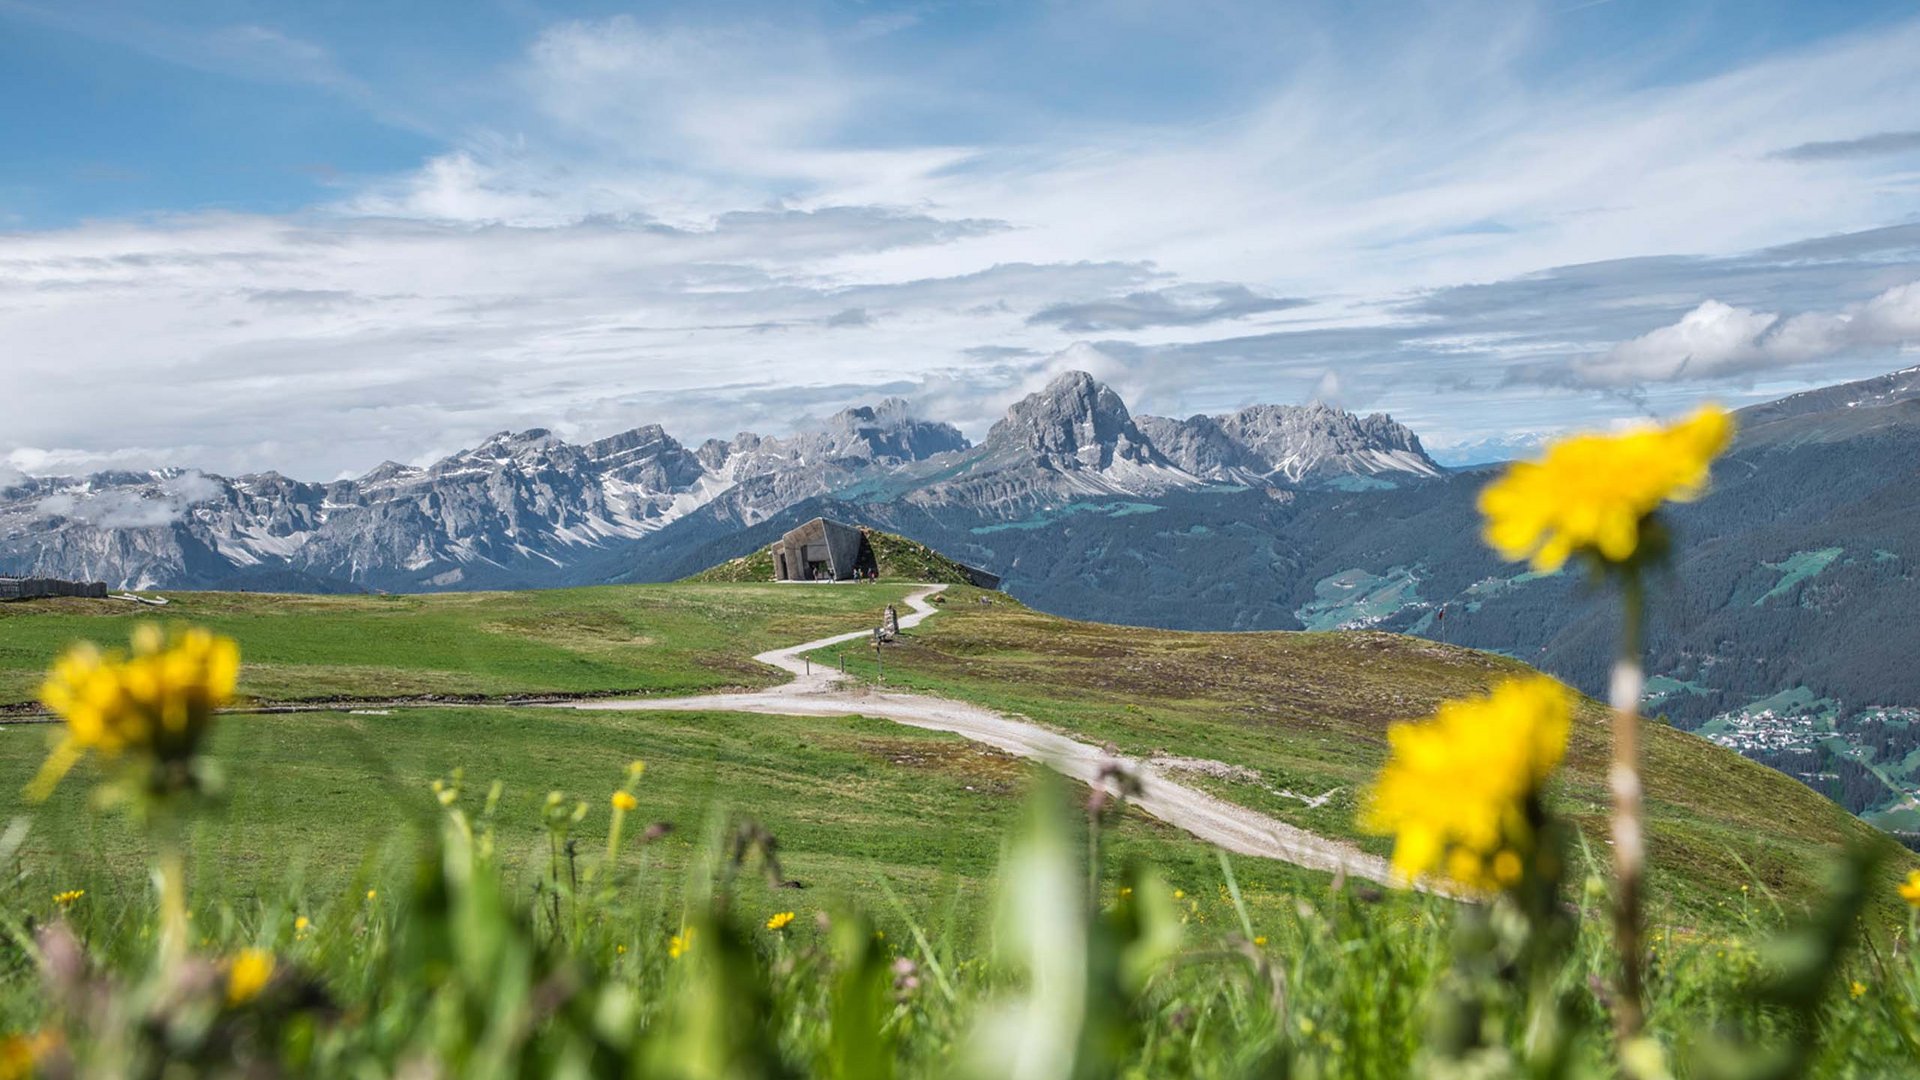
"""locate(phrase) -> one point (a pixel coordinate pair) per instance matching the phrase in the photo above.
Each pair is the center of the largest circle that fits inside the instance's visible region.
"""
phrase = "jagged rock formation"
(1289, 444)
(528, 508)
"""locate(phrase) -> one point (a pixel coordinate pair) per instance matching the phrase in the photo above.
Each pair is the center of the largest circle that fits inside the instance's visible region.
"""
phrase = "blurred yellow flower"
(1456, 789)
(1261, 941)
(780, 921)
(1857, 988)
(373, 894)
(624, 801)
(20, 1053)
(635, 768)
(1593, 493)
(679, 943)
(247, 975)
(155, 701)
(1910, 888)
(68, 897)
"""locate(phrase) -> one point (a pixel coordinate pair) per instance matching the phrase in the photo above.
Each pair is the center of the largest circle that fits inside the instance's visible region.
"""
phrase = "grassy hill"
(313, 797)
(313, 849)
(1296, 716)
(899, 558)
(1307, 713)
(651, 639)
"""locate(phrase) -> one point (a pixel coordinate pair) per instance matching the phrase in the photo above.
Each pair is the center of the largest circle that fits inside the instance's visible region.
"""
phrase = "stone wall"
(13, 588)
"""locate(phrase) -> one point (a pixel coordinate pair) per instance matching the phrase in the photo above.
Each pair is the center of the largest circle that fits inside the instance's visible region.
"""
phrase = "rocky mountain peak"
(1291, 444)
(1074, 422)
(889, 432)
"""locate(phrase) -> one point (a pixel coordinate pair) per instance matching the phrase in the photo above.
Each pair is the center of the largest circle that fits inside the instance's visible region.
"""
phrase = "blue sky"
(311, 237)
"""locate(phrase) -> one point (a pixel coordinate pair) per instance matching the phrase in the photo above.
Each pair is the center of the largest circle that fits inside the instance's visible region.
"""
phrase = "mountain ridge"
(528, 508)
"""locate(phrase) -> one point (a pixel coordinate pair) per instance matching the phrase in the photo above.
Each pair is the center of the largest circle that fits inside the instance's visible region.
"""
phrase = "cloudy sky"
(309, 237)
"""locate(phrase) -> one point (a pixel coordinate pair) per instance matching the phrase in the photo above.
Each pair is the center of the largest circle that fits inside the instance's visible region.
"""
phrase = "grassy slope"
(314, 794)
(313, 801)
(1306, 710)
(642, 639)
(1309, 712)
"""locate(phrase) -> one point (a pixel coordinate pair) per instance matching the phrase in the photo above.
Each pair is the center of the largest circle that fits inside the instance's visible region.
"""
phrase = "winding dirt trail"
(821, 692)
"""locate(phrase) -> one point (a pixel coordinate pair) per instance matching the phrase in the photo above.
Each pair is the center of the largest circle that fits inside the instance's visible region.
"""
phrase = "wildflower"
(247, 975)
(780, 921)
(300, 924)
(635, 769)
(619, 950)
(679, 943)
(1910, 888)
(1179, 894)
(1261, 941)
(20, 1054)
(1459, 790)
(1593, 494)
(66, 899)
(373, 894)
(1857, 989)
(624, 801)
(16, 1058)
(154, 704)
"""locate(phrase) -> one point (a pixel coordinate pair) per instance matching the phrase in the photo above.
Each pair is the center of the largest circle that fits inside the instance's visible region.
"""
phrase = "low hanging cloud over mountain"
(1718, 341)
(119, 508)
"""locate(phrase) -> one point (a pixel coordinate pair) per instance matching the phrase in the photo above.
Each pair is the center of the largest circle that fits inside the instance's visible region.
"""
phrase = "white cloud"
(1717, 340)
(649, 222)
(1712, 339)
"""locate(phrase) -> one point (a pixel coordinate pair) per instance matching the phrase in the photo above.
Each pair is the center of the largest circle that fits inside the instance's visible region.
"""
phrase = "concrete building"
(823, 550)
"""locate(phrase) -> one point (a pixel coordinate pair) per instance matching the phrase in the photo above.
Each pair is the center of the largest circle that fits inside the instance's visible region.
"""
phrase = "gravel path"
(822, 693)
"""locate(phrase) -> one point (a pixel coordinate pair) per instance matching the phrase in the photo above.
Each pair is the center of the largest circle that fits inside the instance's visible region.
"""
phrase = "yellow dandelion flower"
(1857, 988)
(373, 894)
(154, 703)
(619, 950)
(19, 1054)
(624, 801)
(1457, 788)
(1179, 894)
(247, 975)
(65, 899)
(1592, 494)
(636, 768)
(1261, 941)
(678, 944)
(1910, 888)
(780, 920)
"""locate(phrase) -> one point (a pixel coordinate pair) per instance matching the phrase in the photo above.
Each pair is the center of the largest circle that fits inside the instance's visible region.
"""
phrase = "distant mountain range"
(1785, 628)
(528, 509)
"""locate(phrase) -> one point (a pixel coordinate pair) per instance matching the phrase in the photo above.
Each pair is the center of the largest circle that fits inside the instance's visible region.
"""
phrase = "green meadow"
(938, 890)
